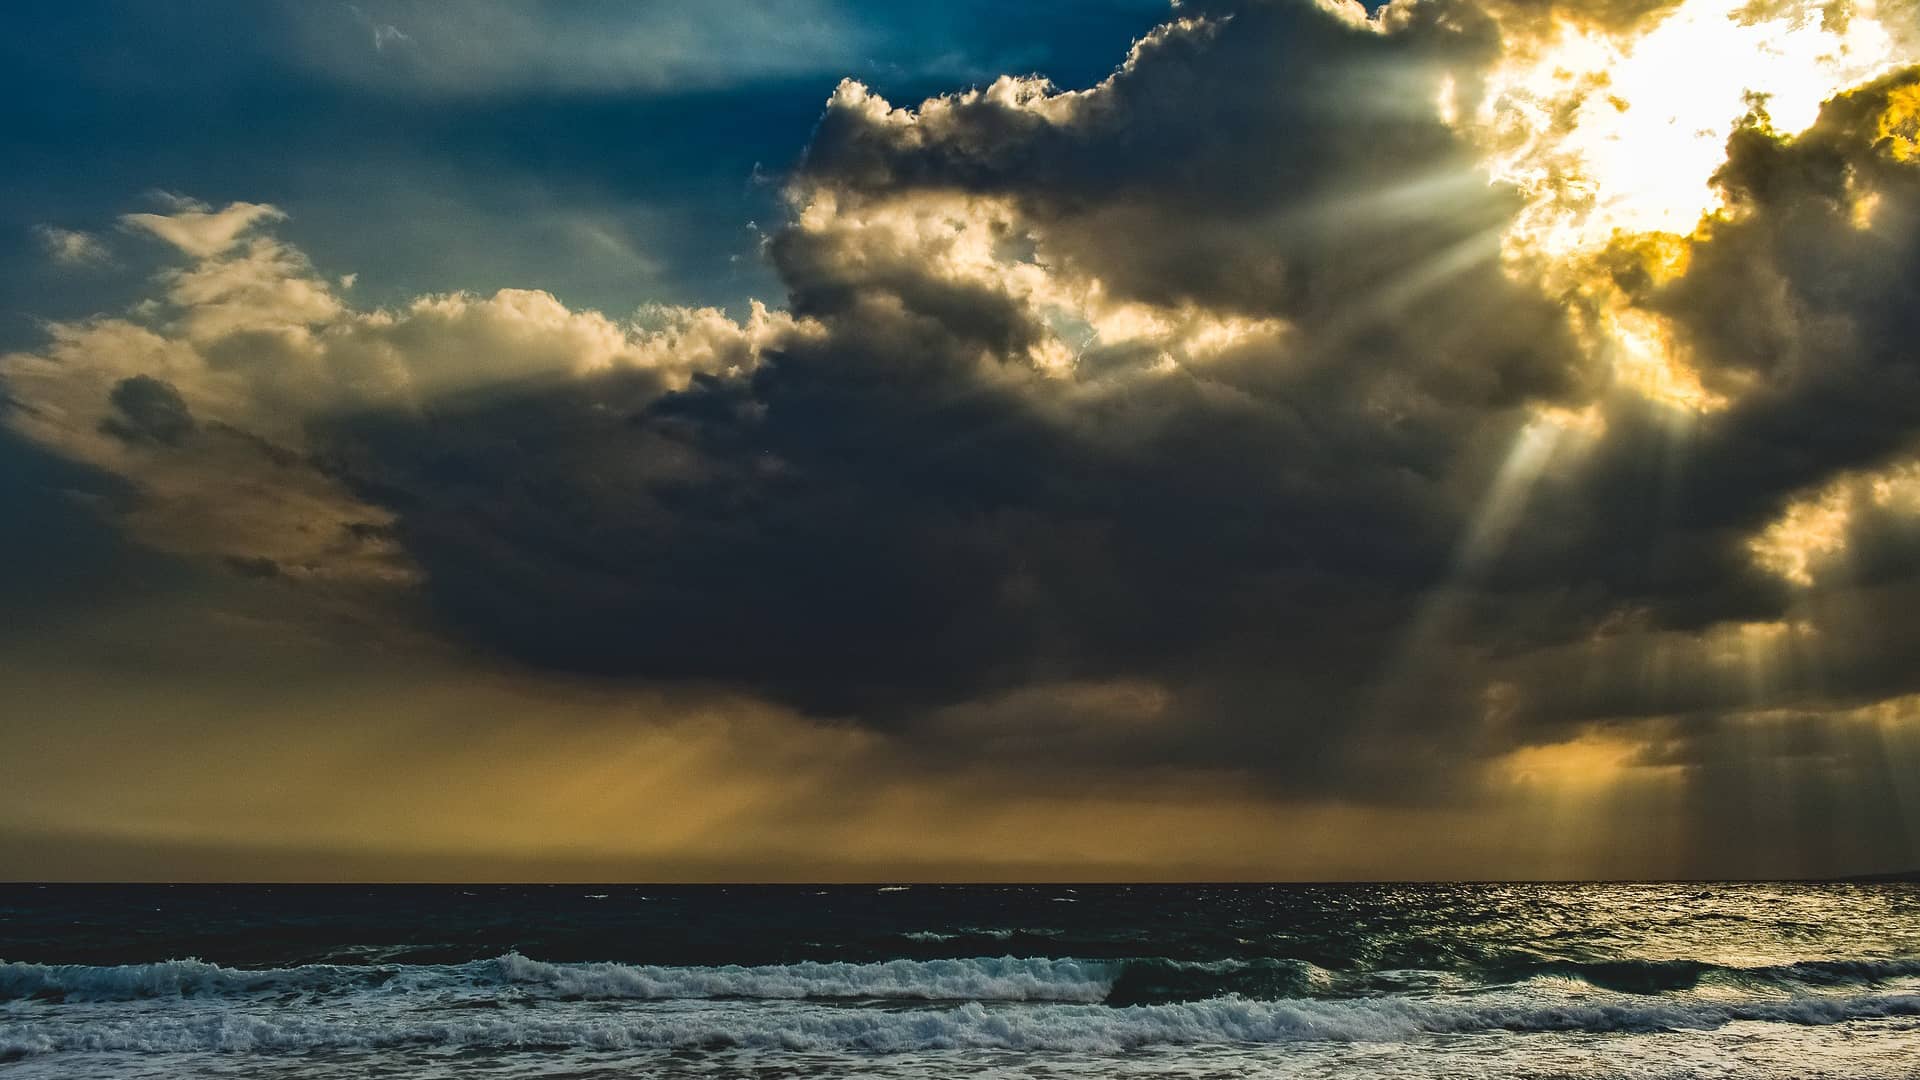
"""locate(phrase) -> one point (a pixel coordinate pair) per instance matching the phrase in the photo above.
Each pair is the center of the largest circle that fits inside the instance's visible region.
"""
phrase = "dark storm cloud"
(1290, 503)
(60, 552)
(1264, 159)
(878, 523)
(1831, 357)
(1800, 303)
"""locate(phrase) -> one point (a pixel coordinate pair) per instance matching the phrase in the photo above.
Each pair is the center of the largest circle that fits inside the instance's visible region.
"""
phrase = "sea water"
(1602, 980)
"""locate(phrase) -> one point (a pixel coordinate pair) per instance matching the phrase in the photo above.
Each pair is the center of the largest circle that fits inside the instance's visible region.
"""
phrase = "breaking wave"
(1662, 976)
(1140, 981)
(173, 978)
(1002, 979)
(796, 1026)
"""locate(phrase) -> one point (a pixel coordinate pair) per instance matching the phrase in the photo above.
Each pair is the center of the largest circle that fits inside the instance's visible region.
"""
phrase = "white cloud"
(201, 231)
(71, 247)
(259, 345)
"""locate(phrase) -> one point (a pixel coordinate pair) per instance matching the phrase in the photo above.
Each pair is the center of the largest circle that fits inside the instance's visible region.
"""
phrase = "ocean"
(1504, 980)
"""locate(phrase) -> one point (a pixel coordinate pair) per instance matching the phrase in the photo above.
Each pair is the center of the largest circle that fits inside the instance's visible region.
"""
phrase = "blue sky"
(612, 153)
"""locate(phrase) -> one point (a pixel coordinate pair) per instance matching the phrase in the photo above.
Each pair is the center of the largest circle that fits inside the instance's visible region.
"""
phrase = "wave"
(1154, 981)
(1118, 983)
(973, 1025)
(987, 979)
(1004, 979)
(1843, 972)
(1663, 976)
(173, 978)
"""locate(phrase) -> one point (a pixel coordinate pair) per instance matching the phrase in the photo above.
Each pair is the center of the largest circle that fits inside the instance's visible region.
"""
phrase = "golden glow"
(349, 760)
(1812, 532)
(1642, 351)
(1896, 488)
(1661, 256)
(1806, 535)
(1900, 124)
(1609, 135)
(1647, 360)
(1592, 761)
(1613, 139)
(1864, 207)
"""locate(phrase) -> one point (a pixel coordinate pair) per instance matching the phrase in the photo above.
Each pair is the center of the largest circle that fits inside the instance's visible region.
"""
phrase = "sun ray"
(1614, 137)
(1606, 135)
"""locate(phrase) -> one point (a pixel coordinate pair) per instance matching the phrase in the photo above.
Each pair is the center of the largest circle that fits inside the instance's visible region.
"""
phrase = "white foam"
(1004, 978)
(171, 978)
(990, 979)
(789, 1026)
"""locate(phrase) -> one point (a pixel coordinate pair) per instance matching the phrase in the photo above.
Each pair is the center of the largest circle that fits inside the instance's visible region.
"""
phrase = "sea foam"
(988, 979)
(984, 979)
(974, 1025)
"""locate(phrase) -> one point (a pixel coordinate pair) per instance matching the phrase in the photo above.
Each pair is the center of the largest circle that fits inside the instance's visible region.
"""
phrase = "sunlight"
(1646, 359)
(1900, 124)
(1605, 136)
(1759, 655)
(1590, 762)
(1551, 431)
(1811, 535)
(1611, 139)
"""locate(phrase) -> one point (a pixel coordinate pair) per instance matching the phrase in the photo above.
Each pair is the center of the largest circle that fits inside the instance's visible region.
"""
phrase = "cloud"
(71, 247)
(1025, 446)
(198, 229)
(1223, 418)
(148, 409)
(207, 396)
(1792, 306)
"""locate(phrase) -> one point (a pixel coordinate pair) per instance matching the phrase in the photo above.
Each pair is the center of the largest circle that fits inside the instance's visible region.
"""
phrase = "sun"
(1608, 134)
(1613, 138)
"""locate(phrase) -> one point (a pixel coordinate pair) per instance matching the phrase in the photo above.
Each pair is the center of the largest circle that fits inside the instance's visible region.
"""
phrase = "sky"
(1097, 440)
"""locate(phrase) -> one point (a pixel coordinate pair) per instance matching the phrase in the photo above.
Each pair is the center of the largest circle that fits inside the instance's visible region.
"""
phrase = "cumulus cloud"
(209, 394)
(1793, 305)
(199, 230)
(1025, 446)
(1230, 414)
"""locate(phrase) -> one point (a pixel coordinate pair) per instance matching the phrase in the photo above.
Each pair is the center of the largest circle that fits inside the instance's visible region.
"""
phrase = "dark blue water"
(1361, 980)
